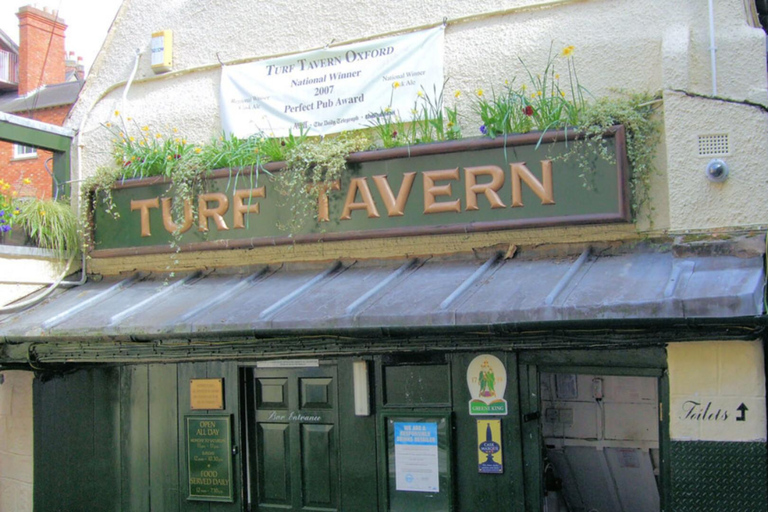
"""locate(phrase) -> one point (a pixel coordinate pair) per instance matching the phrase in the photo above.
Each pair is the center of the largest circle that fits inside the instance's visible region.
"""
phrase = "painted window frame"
(23, 152)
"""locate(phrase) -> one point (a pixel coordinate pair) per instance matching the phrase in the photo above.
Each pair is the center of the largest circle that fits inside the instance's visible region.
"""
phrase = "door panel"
(296, 430)
(274, 475)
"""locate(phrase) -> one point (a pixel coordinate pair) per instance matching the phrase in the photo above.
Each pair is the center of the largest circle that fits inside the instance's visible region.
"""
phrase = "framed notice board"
(209, 458)
(418, 461)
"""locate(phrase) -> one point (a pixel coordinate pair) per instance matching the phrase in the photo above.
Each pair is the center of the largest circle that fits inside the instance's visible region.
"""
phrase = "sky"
(87, 22)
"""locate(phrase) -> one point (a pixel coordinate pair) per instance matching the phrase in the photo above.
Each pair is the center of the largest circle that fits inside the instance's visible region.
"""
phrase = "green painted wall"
(715, 476)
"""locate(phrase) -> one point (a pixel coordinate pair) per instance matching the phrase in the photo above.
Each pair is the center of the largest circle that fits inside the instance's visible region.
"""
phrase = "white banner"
(332, 90)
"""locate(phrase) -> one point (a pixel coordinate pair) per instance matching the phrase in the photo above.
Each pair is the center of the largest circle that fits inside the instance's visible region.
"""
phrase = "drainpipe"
(712, 47)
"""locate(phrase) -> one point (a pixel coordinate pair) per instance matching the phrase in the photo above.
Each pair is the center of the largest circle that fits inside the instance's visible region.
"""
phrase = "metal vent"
(710, 145)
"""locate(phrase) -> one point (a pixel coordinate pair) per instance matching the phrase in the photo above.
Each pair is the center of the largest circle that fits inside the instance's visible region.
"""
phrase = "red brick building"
(37, 81)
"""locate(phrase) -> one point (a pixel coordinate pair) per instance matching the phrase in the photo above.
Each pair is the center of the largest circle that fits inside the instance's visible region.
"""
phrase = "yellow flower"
(395, 85)
(255, 151)
(506, 82)
(457, 94)
(108, 125)
(26, 181)
(158, 136)
(420, 94)
(450, 124)
(533, 96)
(557, 76)
(141, 143)
(132, 139)
(42, 212)
(177, 140)
(14, 193)
(523, 88)
(183, 141)
(117, 113)
(568, 50)
(387, 109)
(198, 150)
(562, 94)
(414, 111)
(175, 130)
(538, 93)
(479, 92)
(145, 128)
(168, 157)
(129, 119)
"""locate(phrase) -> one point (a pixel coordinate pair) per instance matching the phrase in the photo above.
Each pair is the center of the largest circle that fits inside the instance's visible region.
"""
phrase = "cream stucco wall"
(655, 45)
(708, 383)
(16, 441)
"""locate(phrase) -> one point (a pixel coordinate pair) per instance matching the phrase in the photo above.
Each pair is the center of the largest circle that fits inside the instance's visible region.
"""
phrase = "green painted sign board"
(209, 458)
(452, 187)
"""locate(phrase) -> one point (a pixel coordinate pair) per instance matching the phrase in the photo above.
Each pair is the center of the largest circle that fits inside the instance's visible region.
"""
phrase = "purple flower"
(2, 213)
(5, 228)
(483, 130)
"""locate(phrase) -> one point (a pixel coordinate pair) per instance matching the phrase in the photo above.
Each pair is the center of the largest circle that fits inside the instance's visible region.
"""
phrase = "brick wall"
(16, 446)
(41, 49)
(14, 171)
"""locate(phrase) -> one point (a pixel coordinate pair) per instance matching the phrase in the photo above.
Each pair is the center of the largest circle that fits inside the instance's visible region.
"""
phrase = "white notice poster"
(416, 462)
(334, 89)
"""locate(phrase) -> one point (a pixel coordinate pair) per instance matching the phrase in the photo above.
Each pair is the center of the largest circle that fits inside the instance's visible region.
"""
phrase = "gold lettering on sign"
(474, 189)
(521, 173)
(365, 194)
(143, 205)
(431, 191)
(323, 214)
(395, 207)
(204, 212)
(240, 208)
(171, 226)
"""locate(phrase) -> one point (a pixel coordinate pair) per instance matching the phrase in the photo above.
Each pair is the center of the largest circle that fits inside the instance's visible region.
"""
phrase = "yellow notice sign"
(206, 394)
(489, 457)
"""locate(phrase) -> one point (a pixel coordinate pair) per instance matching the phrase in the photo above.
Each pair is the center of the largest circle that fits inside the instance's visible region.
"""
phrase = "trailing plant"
(637, 113)
(311, 169)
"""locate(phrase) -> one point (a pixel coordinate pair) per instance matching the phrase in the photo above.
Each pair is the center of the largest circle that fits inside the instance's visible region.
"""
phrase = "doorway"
(600, 442)
(293, 439)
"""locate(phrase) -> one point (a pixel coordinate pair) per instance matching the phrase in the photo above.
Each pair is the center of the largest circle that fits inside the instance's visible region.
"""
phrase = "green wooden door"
(295, 439)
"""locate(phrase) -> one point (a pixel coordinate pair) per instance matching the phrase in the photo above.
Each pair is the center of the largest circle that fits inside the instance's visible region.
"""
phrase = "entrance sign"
(333, 89)
(487, 380)
(416, 463)
(209, 458)
(489, 447)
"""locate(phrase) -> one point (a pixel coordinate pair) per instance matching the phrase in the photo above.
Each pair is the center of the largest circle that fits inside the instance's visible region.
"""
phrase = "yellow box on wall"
(162, 51)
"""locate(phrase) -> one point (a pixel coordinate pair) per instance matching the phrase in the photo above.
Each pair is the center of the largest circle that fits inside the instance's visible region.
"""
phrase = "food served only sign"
(332, 89)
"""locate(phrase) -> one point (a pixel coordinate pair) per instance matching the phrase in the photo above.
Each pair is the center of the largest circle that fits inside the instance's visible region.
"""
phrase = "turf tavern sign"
(452, 187)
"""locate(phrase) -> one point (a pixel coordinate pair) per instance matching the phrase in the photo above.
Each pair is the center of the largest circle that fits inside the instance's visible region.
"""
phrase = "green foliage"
(643, 133)
(545, 102)
(312, 168)
(51, 224)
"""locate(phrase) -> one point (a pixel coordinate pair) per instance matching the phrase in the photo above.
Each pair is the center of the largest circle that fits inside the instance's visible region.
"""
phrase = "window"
(21, 151)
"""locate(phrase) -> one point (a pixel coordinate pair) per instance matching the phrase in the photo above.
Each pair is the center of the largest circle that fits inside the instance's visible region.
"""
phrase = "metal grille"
(716, 144)
(713, 476)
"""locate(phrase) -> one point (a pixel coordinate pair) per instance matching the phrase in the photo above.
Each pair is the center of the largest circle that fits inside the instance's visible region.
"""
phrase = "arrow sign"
(743, 410)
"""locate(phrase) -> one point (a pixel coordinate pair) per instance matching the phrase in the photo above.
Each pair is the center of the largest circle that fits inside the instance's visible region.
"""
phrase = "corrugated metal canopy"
(412, 293)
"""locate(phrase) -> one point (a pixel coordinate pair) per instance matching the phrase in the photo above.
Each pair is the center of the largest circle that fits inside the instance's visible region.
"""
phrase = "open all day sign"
(334, 89)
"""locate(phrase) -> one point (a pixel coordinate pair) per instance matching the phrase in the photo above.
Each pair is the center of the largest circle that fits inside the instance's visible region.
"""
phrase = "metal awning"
(453, 292)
